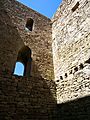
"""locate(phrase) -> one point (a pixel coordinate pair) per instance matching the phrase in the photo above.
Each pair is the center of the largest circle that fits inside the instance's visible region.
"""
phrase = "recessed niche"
(23, 63)
(75, 7)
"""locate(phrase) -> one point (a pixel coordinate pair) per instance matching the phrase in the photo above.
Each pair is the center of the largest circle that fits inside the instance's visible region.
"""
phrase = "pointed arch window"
(23, 63)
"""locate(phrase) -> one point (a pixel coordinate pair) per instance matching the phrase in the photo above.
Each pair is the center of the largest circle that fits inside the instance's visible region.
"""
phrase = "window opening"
(29, 24)
(24, 60)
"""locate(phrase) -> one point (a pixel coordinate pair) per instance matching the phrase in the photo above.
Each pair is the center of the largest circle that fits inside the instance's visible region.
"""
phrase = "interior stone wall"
(71, 48)
(23, 98)
(13, 19)
(70, 32)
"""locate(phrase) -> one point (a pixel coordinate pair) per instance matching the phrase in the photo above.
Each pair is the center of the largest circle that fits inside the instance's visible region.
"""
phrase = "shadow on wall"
(78, 109)
(21, 98)
(10, 41)
(27, 99)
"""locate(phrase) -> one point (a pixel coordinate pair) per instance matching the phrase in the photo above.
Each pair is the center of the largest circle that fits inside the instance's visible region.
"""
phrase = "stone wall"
(24, 98)
(13, 17)
(71, 49)
(71, 39)
(73, 87)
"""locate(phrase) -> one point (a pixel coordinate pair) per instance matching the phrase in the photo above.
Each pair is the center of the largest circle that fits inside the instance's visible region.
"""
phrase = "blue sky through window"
(45, 7)
(19, 69)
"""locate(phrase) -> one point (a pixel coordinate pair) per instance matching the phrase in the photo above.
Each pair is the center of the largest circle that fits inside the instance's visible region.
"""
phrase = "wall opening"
(24, 57)
(75, 69)
(19, 69)
(75, 7)
(81, 66)
(29, 24)
(61, 77)
(66, 75)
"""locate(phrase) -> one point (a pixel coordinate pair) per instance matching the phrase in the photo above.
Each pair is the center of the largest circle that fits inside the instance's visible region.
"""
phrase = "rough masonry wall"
(10, 40)
(27, 99)
(71, 49)
(38, 40)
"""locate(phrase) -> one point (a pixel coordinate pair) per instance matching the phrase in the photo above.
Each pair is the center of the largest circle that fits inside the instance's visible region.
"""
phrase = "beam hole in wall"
(75, 69)
(81, 66)
(29, 24)
(75, 7)
(61, 77)
(66, 75)
(24, 57)
(70, 72)
(57, 81)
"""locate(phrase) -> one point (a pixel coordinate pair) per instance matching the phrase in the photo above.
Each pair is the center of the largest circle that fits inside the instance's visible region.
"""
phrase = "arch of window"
(24, 57)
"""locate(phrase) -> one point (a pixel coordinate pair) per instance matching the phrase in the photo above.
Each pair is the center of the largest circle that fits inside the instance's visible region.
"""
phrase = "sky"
(45, 7)
(19, 69)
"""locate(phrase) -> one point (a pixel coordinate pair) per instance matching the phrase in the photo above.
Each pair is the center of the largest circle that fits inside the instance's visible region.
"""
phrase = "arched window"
(29, 24)
(19, 69)
(23, 62)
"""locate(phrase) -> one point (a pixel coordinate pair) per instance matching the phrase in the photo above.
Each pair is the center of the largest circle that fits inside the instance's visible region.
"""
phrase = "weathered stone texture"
(38, 97)
(24, 98)
(70, 32)
(73, 87)
(13, 20)
(71, 47)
